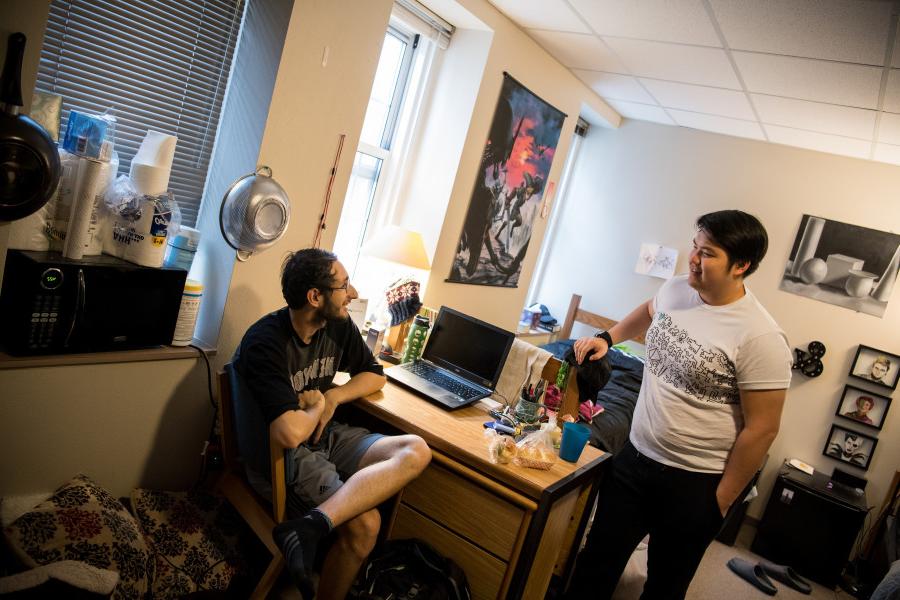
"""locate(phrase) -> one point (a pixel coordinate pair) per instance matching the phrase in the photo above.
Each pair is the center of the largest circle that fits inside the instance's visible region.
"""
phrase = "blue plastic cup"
(575, 437)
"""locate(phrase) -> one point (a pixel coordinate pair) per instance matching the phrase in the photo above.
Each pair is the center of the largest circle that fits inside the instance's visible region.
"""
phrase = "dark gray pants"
(677, 508)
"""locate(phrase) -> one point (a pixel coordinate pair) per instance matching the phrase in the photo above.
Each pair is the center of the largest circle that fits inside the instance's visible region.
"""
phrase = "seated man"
(336, 475)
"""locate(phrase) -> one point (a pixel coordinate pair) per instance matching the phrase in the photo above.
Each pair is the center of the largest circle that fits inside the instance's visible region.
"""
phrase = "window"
(160, 65)
(403, 70)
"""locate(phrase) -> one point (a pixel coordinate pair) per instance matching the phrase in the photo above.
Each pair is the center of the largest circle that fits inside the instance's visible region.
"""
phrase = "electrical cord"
(210, 439)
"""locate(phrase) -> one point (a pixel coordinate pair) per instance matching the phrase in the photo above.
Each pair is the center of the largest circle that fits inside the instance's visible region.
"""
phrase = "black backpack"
(406, 569)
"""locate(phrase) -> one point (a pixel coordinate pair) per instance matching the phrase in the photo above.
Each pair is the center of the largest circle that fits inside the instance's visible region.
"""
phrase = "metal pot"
(29, 160)
(254, 213)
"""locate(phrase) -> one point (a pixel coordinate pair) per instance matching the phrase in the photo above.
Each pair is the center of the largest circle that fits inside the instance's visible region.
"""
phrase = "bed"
(609, 429)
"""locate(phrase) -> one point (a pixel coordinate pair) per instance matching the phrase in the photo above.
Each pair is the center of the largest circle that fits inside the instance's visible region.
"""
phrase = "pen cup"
(527, 411)
(574, 438)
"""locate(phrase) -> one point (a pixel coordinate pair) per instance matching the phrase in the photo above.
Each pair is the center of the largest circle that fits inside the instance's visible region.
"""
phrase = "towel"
(524, 365)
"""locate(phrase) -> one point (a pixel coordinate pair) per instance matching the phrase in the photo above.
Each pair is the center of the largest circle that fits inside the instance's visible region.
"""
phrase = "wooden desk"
(510, 528)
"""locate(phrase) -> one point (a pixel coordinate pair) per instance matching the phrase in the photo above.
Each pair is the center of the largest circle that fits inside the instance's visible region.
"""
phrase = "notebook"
(461, 362)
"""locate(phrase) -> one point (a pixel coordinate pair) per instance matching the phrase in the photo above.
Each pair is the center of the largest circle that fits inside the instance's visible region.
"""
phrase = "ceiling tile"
(822, 142)
(541, 14)
(814, 116)
(697, 98)
(844, 30)
(688, 64)
(889, 129)
(680, 21)
(643, 112)
(807, 79)
(892, 93)
(716, 124)
(616, 87)
(895, 57)
(887, 153)
(578, 51)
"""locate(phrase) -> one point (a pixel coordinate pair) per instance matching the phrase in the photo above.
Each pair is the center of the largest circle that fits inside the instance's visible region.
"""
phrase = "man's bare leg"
(386, 467)
(354, 543)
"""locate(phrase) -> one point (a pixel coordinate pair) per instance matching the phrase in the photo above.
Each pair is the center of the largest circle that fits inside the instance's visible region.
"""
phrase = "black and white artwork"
(876, 366)
(850, 447)
(847, 265)
(863, 407)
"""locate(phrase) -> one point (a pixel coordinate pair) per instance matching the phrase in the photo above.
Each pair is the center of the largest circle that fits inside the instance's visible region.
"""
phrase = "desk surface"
(460, 435)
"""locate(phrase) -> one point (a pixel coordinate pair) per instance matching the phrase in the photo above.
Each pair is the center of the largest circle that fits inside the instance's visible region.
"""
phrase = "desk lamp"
(402, 247)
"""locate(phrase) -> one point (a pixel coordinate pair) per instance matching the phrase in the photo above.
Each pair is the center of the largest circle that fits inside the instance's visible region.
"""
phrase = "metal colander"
(255, 213)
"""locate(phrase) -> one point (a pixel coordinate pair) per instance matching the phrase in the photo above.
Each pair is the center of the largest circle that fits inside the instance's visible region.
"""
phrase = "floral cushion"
(196, 539)
(82, 521)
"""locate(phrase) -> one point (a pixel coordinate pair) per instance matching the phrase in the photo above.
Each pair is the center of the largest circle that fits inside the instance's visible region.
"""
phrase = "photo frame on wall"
(850, 446)
(876, 366)
(863, 407)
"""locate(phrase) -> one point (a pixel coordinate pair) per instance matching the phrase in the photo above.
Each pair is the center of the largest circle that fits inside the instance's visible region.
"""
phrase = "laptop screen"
(468, 347)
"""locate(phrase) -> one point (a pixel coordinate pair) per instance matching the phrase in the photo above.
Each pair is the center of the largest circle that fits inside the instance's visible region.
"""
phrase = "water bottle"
(415, 341)
(182, 248)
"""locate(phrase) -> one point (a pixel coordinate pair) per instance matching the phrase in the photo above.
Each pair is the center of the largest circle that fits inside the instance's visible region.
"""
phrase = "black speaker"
(848, 479)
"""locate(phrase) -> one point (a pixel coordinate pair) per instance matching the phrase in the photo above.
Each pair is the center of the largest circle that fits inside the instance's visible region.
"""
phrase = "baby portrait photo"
(876, 366)
(850, 447)
(863, 407)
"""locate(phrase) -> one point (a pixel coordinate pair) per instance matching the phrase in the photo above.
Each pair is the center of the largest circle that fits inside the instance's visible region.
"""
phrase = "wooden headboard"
(588, 318)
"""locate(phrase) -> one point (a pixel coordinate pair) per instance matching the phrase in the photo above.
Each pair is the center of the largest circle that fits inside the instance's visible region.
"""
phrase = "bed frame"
(588, 318)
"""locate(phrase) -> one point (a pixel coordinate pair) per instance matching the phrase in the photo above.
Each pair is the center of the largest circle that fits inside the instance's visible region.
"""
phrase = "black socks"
(298, 540)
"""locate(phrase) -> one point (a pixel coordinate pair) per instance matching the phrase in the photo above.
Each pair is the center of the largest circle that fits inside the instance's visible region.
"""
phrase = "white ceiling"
(817, 74)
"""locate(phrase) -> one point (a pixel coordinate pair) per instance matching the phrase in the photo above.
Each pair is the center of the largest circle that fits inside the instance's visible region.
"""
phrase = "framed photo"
(850, 446)
(876, 366)
(863, 407)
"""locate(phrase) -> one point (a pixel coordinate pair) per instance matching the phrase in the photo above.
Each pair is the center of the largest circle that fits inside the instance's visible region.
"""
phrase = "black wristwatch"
(605, 335)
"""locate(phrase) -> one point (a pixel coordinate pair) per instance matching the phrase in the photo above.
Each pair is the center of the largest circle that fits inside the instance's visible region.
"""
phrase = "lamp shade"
(398, 245)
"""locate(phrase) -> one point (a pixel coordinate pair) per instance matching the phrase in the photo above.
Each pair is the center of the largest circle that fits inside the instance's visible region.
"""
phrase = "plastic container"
(182, 248)
(415, 341)
(187, 314)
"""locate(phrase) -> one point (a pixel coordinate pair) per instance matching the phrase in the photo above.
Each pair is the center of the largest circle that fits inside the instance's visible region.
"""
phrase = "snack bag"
(501, 448)
(535, 450)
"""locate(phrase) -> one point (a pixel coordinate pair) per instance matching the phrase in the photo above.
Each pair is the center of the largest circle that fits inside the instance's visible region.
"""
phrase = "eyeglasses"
(334, 289)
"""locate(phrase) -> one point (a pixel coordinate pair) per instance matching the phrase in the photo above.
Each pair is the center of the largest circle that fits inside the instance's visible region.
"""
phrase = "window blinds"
(420, 18)
(158, 64)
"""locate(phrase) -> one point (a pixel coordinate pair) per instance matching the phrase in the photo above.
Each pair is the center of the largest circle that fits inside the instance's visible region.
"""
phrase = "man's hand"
(584, 346)
(724, 503)
(329, 403)
(309, 398)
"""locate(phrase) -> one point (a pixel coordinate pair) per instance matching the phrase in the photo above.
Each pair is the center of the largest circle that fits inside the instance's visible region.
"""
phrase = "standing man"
(716, 371)
(336, 475)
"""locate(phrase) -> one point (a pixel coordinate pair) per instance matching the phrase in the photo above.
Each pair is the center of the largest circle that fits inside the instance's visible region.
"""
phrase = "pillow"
(196, 539)
(82, 521)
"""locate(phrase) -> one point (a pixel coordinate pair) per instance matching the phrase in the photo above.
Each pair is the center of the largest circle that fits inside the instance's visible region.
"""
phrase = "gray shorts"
(314, 472)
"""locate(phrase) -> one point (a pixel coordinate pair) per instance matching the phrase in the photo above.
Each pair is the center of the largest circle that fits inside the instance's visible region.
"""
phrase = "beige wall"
(648, 183)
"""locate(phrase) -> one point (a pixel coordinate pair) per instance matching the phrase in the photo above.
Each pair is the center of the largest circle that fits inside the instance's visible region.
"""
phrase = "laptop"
(461, 362)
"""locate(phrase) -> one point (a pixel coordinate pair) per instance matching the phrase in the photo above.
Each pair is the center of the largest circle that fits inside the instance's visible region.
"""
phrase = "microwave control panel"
(45, 309)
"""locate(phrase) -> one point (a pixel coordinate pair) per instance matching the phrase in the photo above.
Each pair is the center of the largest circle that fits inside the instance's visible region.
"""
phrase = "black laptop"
(461, 362)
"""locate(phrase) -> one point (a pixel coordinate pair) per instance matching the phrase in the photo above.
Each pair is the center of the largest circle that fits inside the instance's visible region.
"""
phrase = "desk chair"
(259, 514)
(569, 402)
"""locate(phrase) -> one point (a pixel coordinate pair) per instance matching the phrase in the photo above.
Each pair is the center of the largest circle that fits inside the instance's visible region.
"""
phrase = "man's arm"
(762, 417)
(636, 323)
(361, 384)
(293, 427)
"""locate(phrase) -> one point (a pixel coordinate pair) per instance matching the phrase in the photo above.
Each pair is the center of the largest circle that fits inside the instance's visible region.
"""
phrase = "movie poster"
(509, 188)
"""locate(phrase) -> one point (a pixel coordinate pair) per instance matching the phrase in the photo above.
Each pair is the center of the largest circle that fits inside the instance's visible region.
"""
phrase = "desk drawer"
(483, 571)
(466, 509)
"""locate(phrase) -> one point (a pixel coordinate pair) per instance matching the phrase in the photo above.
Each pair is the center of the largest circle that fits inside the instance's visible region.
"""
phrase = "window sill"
(97, 358)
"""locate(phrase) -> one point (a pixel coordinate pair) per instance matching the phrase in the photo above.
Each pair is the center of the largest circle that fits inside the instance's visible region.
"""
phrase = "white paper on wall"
(656, 261)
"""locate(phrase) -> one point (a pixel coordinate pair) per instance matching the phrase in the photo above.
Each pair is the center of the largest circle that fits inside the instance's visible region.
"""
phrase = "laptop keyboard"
(429, 373)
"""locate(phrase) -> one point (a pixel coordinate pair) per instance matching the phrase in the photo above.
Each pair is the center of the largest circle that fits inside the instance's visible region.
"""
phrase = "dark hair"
(741, 235)
(303, 270)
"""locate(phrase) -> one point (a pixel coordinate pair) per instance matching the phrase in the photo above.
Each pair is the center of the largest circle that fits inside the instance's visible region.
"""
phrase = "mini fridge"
(810, 524)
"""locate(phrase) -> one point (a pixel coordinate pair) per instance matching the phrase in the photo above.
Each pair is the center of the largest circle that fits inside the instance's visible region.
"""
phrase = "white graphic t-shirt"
(698, 359)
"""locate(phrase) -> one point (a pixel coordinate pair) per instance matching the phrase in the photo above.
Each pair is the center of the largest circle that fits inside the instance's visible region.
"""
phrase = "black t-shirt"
(275, 365)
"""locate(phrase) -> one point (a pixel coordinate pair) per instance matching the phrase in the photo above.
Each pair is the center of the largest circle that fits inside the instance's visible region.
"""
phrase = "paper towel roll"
(93, 176)
(150, 180)
(147, 245)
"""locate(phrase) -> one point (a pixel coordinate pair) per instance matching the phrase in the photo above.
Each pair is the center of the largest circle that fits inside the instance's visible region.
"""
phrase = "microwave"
(54, 305)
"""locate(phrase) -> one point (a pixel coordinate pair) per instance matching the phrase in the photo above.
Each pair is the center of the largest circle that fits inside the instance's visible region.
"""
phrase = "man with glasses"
(336, 475)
